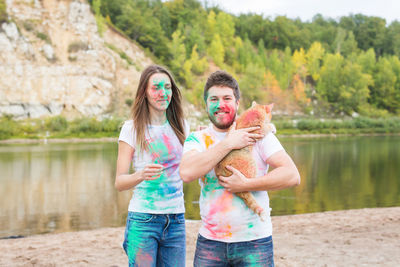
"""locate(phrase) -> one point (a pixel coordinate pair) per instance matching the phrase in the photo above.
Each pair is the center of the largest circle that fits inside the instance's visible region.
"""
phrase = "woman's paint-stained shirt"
(165, 194)
(224, 216)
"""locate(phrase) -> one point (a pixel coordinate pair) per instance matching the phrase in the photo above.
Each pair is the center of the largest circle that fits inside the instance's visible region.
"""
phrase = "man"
(231, 234)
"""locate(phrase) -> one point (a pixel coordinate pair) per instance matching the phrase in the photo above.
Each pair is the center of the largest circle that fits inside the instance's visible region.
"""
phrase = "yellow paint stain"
(208, 140)
(228, 229)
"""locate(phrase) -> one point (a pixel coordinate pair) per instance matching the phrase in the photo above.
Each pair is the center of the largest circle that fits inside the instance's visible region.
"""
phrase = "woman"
(152, 141)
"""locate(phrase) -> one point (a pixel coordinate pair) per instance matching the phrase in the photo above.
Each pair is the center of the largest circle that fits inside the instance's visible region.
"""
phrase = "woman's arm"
(124, 180)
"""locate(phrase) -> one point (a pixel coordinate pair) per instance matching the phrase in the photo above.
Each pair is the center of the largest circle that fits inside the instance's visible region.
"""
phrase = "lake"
(70, 186)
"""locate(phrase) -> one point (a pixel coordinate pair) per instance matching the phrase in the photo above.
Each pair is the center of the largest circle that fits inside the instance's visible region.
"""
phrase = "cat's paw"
(269, 128)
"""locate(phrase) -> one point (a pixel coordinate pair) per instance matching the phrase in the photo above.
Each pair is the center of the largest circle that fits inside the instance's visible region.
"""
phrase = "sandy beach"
(339, 238)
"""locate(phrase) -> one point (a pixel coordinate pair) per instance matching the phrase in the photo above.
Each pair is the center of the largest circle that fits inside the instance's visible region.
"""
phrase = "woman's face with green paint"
(221, 106)
(159, 91)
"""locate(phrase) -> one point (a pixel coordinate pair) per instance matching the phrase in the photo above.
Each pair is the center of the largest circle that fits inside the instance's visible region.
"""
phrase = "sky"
(306, 9)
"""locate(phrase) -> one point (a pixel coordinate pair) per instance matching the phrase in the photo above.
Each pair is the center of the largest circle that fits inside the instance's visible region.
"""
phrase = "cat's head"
(256, 115)
(263, 108)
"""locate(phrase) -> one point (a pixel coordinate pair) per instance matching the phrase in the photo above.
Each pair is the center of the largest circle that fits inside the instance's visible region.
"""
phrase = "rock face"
(54, 61)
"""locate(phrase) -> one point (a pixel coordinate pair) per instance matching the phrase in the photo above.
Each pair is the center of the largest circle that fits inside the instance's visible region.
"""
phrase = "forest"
(325, 67)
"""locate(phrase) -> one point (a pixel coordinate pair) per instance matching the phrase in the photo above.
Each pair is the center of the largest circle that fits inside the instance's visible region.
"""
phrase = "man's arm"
(284, 175)
(196, 164)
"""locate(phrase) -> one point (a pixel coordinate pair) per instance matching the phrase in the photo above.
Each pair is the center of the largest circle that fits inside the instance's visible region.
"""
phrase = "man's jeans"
(257, 252)
(155, 239)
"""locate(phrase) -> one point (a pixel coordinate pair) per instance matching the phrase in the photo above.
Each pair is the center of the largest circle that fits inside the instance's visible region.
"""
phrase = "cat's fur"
(242, 159)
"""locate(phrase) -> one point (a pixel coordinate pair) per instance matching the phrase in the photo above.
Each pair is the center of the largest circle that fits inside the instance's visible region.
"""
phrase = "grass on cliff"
(89, 127)
(3, 11)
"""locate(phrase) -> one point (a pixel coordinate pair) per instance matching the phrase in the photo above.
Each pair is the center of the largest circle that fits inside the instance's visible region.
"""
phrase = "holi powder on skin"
(161, 92)
(220, 112)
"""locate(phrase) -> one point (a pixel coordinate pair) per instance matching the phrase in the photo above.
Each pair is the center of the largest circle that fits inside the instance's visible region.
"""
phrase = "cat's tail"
(251, 202)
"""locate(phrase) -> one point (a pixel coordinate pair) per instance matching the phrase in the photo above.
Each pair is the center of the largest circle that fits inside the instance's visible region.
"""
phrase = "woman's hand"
(151, 172)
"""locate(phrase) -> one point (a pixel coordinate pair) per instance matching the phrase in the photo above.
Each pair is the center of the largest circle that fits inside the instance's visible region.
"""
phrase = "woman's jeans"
(255, 253)
(155, 239)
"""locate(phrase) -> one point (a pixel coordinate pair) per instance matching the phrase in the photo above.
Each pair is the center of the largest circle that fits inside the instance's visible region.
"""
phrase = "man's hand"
(235, 183)
(237, 139)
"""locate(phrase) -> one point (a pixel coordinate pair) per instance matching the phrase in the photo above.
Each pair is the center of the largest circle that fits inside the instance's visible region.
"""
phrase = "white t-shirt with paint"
(224, 216)
(165, 194)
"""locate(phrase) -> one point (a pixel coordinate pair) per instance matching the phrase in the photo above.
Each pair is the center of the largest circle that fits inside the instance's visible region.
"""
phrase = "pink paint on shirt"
(218, 208)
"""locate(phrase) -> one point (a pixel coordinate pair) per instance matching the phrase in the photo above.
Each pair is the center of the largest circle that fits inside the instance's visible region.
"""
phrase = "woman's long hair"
(141, 113)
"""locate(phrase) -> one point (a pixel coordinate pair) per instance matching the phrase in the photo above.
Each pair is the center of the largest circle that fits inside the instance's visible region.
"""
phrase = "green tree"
(349, 45)
(225, 27)
(393, 39)
(383, 93)
(343, 84)
(369, 32)
(101, 24)
(178, 52)
(216, 50)
(194, 37)
(3, 11)
(367, 61)
(262, 55)
(185, 12)
(250, 84)
(199, 66)
(254, 27)
(314, 57)
(211, 27)
(238, 62)
(137, 20)
(323, 31)
(300, 63)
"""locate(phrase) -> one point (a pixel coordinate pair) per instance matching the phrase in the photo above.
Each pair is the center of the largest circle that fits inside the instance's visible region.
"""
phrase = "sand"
(339, 238)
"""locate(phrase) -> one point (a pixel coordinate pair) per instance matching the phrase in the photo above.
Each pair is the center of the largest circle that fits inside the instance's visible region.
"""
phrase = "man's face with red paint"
(221, 106)
(159, 91)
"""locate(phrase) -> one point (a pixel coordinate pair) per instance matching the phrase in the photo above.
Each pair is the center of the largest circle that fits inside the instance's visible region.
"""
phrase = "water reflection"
(59, 187)
(68, 187)
(342, 173)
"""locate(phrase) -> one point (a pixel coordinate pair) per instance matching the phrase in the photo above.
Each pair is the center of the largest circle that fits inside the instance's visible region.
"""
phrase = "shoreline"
(349, 238)
(115, 139)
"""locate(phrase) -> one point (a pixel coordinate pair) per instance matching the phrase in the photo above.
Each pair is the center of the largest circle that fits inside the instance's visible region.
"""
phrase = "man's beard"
(220, 125)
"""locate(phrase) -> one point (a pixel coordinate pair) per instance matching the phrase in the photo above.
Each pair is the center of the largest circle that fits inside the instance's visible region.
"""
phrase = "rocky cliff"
(54, 61)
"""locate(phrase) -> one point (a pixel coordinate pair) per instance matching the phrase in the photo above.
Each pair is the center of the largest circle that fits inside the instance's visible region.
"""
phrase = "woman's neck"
(158, 118)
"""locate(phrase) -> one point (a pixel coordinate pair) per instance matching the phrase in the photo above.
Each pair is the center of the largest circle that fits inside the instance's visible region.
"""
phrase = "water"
(69, 187)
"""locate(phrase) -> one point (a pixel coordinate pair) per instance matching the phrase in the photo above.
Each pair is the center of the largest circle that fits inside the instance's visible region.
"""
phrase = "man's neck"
(220, 130)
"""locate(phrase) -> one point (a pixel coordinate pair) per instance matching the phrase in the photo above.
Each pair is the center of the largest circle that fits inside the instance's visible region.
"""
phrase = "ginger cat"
(241, 159)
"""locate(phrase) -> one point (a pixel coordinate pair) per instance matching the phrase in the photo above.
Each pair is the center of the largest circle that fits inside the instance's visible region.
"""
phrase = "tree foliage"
(346, 65)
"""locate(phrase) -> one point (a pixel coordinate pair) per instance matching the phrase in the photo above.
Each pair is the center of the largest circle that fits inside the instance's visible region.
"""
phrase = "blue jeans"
(257, 252)
(155, 239)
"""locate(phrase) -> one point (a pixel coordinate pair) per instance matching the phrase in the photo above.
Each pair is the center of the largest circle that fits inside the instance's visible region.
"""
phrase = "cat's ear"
(269, 107)
(253, 104)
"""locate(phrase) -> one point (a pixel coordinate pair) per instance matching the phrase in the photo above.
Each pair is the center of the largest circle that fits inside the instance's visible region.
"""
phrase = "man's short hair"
(221, 78)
